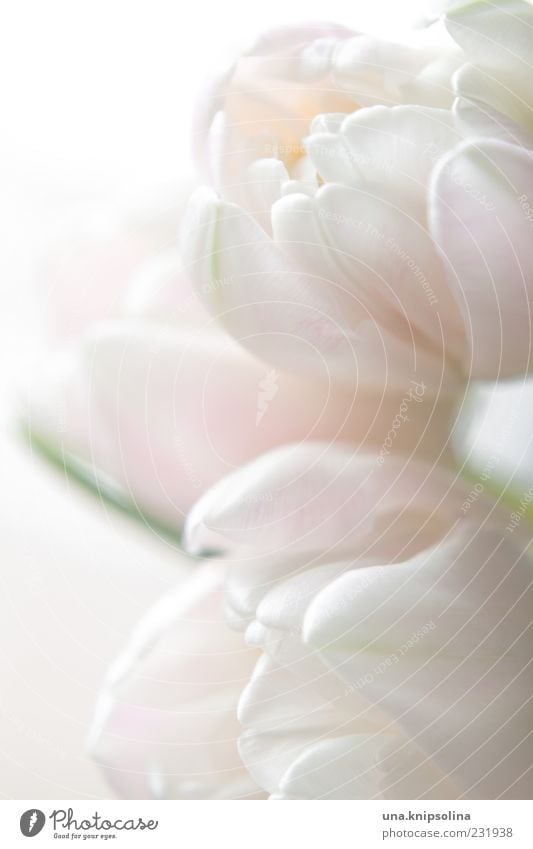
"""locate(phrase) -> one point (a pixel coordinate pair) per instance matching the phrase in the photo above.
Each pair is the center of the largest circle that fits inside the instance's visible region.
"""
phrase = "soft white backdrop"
(96, 104)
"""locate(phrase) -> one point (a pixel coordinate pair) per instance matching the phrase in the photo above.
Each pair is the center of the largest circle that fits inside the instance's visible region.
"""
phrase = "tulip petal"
(402, 142)
(479, 217)
(509, 97)
(375, 71)
(250, 581)
(382, 245)
(266, 179)
(166, 723)
(496, 37)
(284, 606)
(442, 644)
(300, 743)
(282, 715)
(138, 404)
(359, 766)
(306, 322)
(336, 768)
(475, 118)
(282, 314)
(289, 39)
(247, 283)
(495, 33)
(317, 499)
(353, 245)
(495, 441)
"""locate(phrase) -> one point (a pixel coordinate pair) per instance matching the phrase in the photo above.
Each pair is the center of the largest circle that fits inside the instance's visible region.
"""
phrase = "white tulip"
(394, 622)
(383, 238)
(427, 691)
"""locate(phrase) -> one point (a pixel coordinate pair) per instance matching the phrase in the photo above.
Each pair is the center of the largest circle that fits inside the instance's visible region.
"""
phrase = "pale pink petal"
(314, 498)
(494, 34)
(302, 744)
(375, 71)
(362, 766)
(372, 248)
(402, 142)
(281, 716)
(509, 97)
(138, 404)
(166, 724)
(475, 118)
(442, 644)
(316, 322)
(479, 217)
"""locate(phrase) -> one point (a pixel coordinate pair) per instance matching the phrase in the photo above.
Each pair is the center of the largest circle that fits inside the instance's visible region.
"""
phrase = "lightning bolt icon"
(33, 820)
(268, 389)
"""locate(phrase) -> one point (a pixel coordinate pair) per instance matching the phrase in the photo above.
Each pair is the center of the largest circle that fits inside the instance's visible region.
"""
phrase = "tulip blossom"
(253, 117)
(406, 249)
(394, 623)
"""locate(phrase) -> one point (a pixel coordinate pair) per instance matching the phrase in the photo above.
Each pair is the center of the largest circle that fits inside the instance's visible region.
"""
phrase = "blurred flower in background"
(275, 367)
